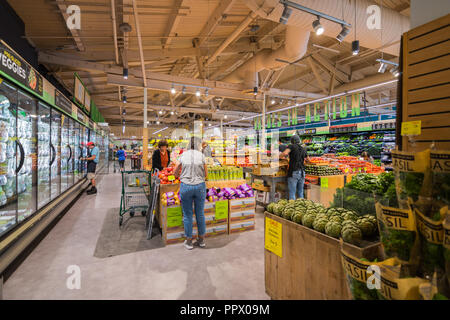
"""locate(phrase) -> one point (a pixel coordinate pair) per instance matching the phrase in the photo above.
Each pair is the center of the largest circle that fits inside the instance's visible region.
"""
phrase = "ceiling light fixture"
(197, 93)
(206, 92)
(383, 67)
(173, 91)
(183, 90)
(285, 15)
(172, 113)
(125, 73)
(355, 47)
(344, 32)
(395, 72)
(225, 117)
(318, 28)
(255, 91)
(124, 99)
(273, 101)
(160, 112)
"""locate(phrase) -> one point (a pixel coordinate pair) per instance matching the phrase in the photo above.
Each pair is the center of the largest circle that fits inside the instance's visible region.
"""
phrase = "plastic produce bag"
(412, 175)
(394, 287)
(398, 235)
(447, 247)
(440, 168)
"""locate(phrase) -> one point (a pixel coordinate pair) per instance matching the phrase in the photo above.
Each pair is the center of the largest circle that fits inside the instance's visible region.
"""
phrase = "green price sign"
(324, 182)
(174, 217)
(222, 210)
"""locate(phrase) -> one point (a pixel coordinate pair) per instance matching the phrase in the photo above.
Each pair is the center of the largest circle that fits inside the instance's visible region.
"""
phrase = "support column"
(263, 131)
(145, 134)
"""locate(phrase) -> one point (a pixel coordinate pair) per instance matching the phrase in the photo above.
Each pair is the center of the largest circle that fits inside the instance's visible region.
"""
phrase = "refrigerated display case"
(55, 146)
(44, 155)
(65, 153)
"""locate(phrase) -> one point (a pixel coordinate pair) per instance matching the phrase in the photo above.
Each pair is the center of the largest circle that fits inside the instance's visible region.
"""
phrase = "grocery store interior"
(324, 127)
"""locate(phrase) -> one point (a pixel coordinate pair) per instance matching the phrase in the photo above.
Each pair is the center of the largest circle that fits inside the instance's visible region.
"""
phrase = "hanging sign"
(295, 116)
(308, 114)
(356, 105)
(316, 112)
(62, 102)
(279, 120)
(87, 101)
(74, 111)
(343, 109)
(334, 109)
(79, 90)
(17, 68)
(273, 240)
(327, 110)
(289, 117)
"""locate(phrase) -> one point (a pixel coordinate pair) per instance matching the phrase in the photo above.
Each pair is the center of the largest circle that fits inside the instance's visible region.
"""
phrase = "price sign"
(174, 217)
(324, 182)
(221, 210)
(273, 240)
(171, 178)
(411, 128)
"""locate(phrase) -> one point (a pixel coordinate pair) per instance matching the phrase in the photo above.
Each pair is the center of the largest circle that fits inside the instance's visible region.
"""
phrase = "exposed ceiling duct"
(299, 24)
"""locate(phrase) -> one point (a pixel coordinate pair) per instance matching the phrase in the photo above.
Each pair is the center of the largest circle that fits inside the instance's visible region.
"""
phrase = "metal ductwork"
(299, 25)
(294, 48)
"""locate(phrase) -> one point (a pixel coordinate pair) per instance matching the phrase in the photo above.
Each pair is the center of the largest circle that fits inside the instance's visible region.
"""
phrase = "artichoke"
(351, 234)
(368, 228)
(319, 224)
(270, 207)
(277, 209)
(333, 229)
(336, 218)
(288, 212)
(297, 218)
(308, 219)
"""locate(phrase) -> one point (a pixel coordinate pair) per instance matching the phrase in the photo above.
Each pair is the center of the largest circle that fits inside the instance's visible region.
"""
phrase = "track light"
(285, 15)
(206, 92)
(197, 93)
(225, 117)
(124, 99)
(124, 112)
(160, 112)
(173, 91)
(355, 47)
(344, 32)
(395, 72)
(172, 113)
(273, 101)
(318, 28)
(125, 73)
(383, 67)
(157, 122)
(209, 124)
(183, 90)
(255, 91)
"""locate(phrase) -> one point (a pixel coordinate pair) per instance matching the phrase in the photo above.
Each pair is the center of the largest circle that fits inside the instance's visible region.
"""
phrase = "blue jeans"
(193, 195)
(296, 183)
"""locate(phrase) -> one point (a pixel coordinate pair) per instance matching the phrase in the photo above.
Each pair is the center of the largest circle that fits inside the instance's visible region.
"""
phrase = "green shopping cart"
(135, 193)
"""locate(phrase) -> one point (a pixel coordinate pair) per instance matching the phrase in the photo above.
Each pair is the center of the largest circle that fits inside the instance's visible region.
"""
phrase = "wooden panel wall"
(426, 83)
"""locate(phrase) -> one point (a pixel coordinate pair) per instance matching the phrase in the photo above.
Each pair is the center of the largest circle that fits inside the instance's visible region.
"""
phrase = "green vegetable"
(333, 229)
(351, 234)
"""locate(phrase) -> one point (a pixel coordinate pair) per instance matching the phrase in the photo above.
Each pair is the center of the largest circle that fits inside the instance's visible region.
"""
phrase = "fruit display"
(335, 222)
(171, 198)
(219, 173)
(167, 176)
(322, 170)
(218, 194)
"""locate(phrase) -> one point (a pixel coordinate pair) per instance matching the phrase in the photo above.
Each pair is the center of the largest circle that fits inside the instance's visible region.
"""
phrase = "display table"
(272, 182)
(310, 265)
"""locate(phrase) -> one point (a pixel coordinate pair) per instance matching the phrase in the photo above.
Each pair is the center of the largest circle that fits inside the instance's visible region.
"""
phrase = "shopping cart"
(136, 162)
(135, 193)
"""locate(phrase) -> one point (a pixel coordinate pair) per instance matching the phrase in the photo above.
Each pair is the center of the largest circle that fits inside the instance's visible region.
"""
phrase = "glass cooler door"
(55, 148)
(8, 192)
(44, 155)
(77, 152)
(65, 153)
(26, 155)
(71, 162)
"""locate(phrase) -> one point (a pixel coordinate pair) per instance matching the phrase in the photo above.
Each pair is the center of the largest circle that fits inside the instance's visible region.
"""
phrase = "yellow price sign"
(324, 182)
(411, 128)
(273, 240)
(171, 178)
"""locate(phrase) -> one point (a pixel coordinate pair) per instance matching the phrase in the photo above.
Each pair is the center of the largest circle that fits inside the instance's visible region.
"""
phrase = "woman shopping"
(193, 172)
(121, 156)
(161, 156)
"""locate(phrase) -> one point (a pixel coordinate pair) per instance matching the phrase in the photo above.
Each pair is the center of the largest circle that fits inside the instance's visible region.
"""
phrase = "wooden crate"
(425, 93)
(310, 267)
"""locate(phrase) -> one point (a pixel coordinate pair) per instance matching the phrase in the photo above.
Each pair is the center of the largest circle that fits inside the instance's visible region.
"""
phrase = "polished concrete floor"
(231, 267)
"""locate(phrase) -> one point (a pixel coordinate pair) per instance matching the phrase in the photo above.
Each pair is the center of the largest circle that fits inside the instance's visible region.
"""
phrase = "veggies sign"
(14, 66)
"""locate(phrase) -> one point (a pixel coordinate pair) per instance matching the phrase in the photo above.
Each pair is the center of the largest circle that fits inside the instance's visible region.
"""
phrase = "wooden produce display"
(310, 266)
(241, 215)
(425, 91)
(325, 189)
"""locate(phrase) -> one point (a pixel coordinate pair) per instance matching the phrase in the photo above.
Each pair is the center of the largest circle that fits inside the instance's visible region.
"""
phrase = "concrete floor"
(231, 269)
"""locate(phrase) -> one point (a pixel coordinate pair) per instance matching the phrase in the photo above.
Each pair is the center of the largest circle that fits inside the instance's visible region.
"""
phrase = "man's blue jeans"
(295, 184)
(193, 195)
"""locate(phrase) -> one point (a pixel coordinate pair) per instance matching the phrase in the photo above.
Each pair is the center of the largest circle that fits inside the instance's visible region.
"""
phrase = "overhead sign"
(87, 101)
(81, 94)
(383, 125)
(62, 102)
(344, 128)
(17, 68)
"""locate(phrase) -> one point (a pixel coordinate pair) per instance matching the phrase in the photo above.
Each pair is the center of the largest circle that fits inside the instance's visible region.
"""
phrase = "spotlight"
(285, 15)
(344, 32)
(157, 122)
(355, 47)
(318, 29)
(160, 112)
(125, 73)
(197, 93)
(225, 117)
(383, 67)
(173, 91)
(206, 92)
(273, 101)
(172, 113)
(183, 90)
(124, 112)
(395, 72)
(255, 91)
(124, 99)
(209, 124)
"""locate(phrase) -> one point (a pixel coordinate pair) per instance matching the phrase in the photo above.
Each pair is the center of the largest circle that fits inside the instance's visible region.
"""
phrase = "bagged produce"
(412, 175)
(394, 287)
(440, 168)
(447, 247)
(356, 271)
(431, 235)
(398, 234)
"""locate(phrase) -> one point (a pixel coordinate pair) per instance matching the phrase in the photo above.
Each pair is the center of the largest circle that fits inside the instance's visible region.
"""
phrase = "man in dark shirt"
(296, 172)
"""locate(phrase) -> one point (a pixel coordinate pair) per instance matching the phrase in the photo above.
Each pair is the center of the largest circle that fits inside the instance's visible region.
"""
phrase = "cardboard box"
(242, 215)
(242, 226)
(242, 204)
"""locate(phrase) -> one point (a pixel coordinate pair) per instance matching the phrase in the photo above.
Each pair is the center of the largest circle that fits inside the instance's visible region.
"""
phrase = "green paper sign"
(356, 105)
(308, 114)
(334, 109)
(327, 110)
(279, 120)
(174, 217)
(324, 182)
(221, 210)
(343, 110)
(316, 112)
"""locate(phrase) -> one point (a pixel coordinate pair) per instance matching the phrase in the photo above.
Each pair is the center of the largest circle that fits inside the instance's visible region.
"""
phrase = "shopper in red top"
(161, 156)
